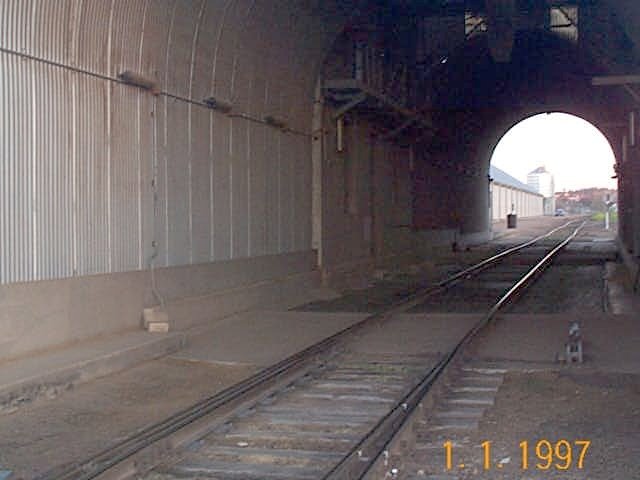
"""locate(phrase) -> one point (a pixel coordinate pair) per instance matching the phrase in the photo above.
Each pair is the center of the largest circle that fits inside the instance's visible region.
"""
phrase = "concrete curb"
(47, 375)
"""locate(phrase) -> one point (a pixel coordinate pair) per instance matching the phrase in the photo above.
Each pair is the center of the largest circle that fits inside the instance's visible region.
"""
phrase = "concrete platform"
(526, 228)
(262, 338)
(420, 333)
(251, 338)
(610, 342)
(51, 373)
(92, 415)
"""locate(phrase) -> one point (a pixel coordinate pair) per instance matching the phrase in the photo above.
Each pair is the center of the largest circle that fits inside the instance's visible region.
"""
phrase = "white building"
(510, 195)
(541, 181)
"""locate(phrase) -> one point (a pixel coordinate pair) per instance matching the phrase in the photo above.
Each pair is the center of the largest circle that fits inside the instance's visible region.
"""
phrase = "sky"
(573, 150)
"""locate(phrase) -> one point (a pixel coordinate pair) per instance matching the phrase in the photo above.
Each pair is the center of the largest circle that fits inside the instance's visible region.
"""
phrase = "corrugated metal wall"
(79, 152)
(525, 204)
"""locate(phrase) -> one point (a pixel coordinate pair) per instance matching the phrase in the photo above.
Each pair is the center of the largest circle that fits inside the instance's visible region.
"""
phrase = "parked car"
(560, 212)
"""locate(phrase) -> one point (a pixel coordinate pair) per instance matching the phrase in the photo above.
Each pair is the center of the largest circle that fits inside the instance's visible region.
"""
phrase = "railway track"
(332, 411)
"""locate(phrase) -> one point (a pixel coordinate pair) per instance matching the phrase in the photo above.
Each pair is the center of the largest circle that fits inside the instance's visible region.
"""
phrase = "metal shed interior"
(208, 156)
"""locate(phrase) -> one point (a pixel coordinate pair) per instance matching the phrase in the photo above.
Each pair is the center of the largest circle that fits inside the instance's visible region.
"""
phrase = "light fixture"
(138, 80)
(217, 104)
(275, 122)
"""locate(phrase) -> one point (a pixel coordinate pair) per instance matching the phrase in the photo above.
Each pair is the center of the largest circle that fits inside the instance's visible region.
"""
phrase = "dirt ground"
(571, 404)
(381, 292)
(596, 402)
(46, 434)
(565, 288)
(574, 288)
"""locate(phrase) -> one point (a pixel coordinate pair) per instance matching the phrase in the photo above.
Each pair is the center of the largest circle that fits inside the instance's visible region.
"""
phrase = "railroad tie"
(456, 417)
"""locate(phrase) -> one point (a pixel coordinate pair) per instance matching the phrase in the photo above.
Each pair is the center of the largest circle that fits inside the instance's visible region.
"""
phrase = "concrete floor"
(50, 432)
(85, 419)
(609, 341)
(261, 339)
(553, 405)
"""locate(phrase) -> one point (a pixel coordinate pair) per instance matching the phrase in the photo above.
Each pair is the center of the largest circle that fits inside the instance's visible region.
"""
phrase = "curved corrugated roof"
(80, 147)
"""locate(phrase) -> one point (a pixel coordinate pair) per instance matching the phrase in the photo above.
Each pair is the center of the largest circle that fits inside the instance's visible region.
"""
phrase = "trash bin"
(512, 220)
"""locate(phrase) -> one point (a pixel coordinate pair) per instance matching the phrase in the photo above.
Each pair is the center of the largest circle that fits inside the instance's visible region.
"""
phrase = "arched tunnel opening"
(564, 159)
(292, 239)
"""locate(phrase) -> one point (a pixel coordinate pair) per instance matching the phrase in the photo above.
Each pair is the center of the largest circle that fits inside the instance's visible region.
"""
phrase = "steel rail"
(517, 248)
(101, 462)
(422, 292)
(363, 456)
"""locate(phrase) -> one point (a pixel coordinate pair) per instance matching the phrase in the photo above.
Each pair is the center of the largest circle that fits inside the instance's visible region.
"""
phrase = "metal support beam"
(566, 15)
(362, 92)
(632, 92)
(407, 123)
(357, 99)
(613, 125)
(624, 81)
(615, 80)
(501, 23)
